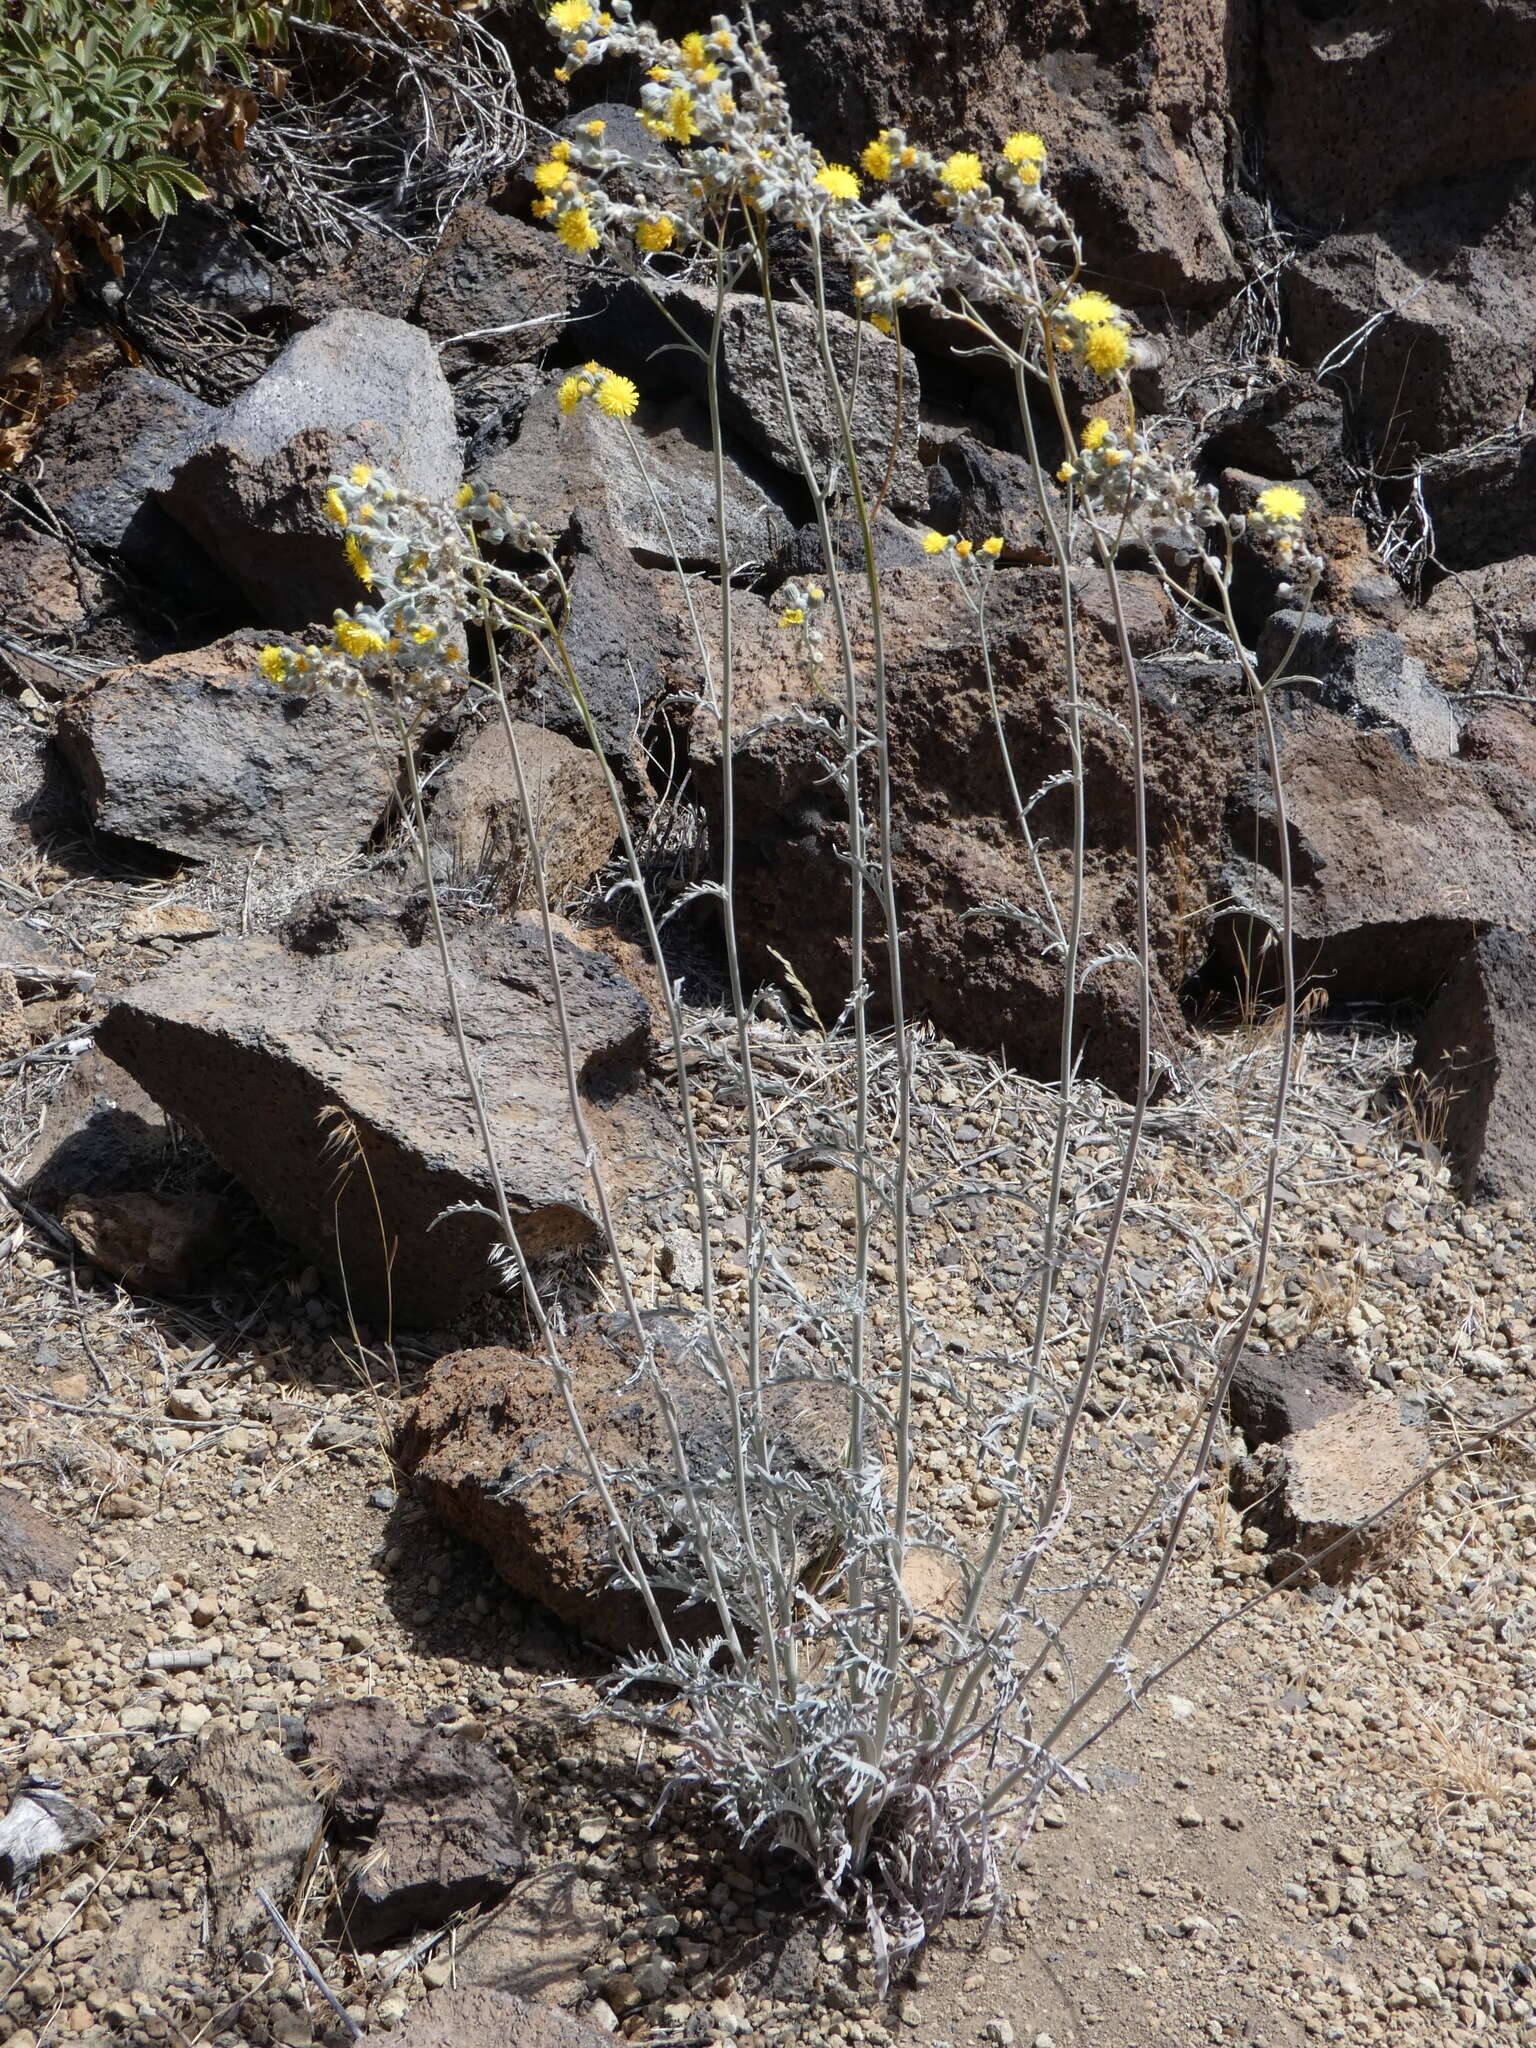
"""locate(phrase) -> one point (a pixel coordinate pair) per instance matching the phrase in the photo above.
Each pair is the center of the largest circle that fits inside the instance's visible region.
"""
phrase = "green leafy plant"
(93, 107)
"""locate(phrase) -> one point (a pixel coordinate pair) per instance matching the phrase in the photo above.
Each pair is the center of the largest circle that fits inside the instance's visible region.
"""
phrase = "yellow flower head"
(570, 15)
(334, 507)
(962, 172)
(1091, 308)
(1095, 433)
(362, 475)
(464, 495)
(1024, 148)
(838, 180)
(881, 322)
(550, 175)
(273, 663)
(964, 549)
(570, 394)
(617, 396)
(1106, 349)
(358, 560)
(357, 640)
(680, 124)
(936, 543)
(595, 129)
(1065, 474)
(541, 209)
(655, 235)
(423, 633)
(878, 158)
(1282, 504)
(575, 229)
(992, 545)
(792, 615)
(694, 49)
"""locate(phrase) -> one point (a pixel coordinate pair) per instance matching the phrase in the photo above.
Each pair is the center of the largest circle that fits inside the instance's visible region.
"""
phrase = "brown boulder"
(490, 1449)
(288, 1066)
(978, 932)
(1327, 1497)
(478, 821)
(160, 1244)
(1476, 1067)
(436, 1819)
(200, 755)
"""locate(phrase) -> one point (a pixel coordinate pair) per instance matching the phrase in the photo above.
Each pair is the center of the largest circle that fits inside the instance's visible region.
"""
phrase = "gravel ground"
(1320, 1828)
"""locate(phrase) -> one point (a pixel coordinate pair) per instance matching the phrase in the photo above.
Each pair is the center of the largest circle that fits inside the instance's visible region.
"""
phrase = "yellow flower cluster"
(1092, 327)
(560, 196)
(655, 234)
(935, 543)
(1026, 153)
(614, 395)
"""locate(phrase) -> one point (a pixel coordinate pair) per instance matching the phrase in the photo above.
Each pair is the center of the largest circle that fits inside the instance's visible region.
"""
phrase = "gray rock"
(1366, 676)
(662, 506)
(101, 1134)
(199, 255)
(474, 2017)
(440, 1816)
(1476, 1067)
(26, 276)
(30, 1545)
(478, 821)
(1275, 1393)
(1482, 501)
(750, 398)
(753, 402)
(102, 460)
(200, 755)
(494, 270)
(975, 491)
(356, 388)
(1398, 861)
(1287, 430)
(613, 639)
(1325, 1496)
(536, 1944)
(1452, 360)
(256, 1820)
(259, 1050)
(35, 965)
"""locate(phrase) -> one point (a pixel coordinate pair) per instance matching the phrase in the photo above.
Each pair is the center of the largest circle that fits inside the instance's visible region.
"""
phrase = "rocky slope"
(247, 1373)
